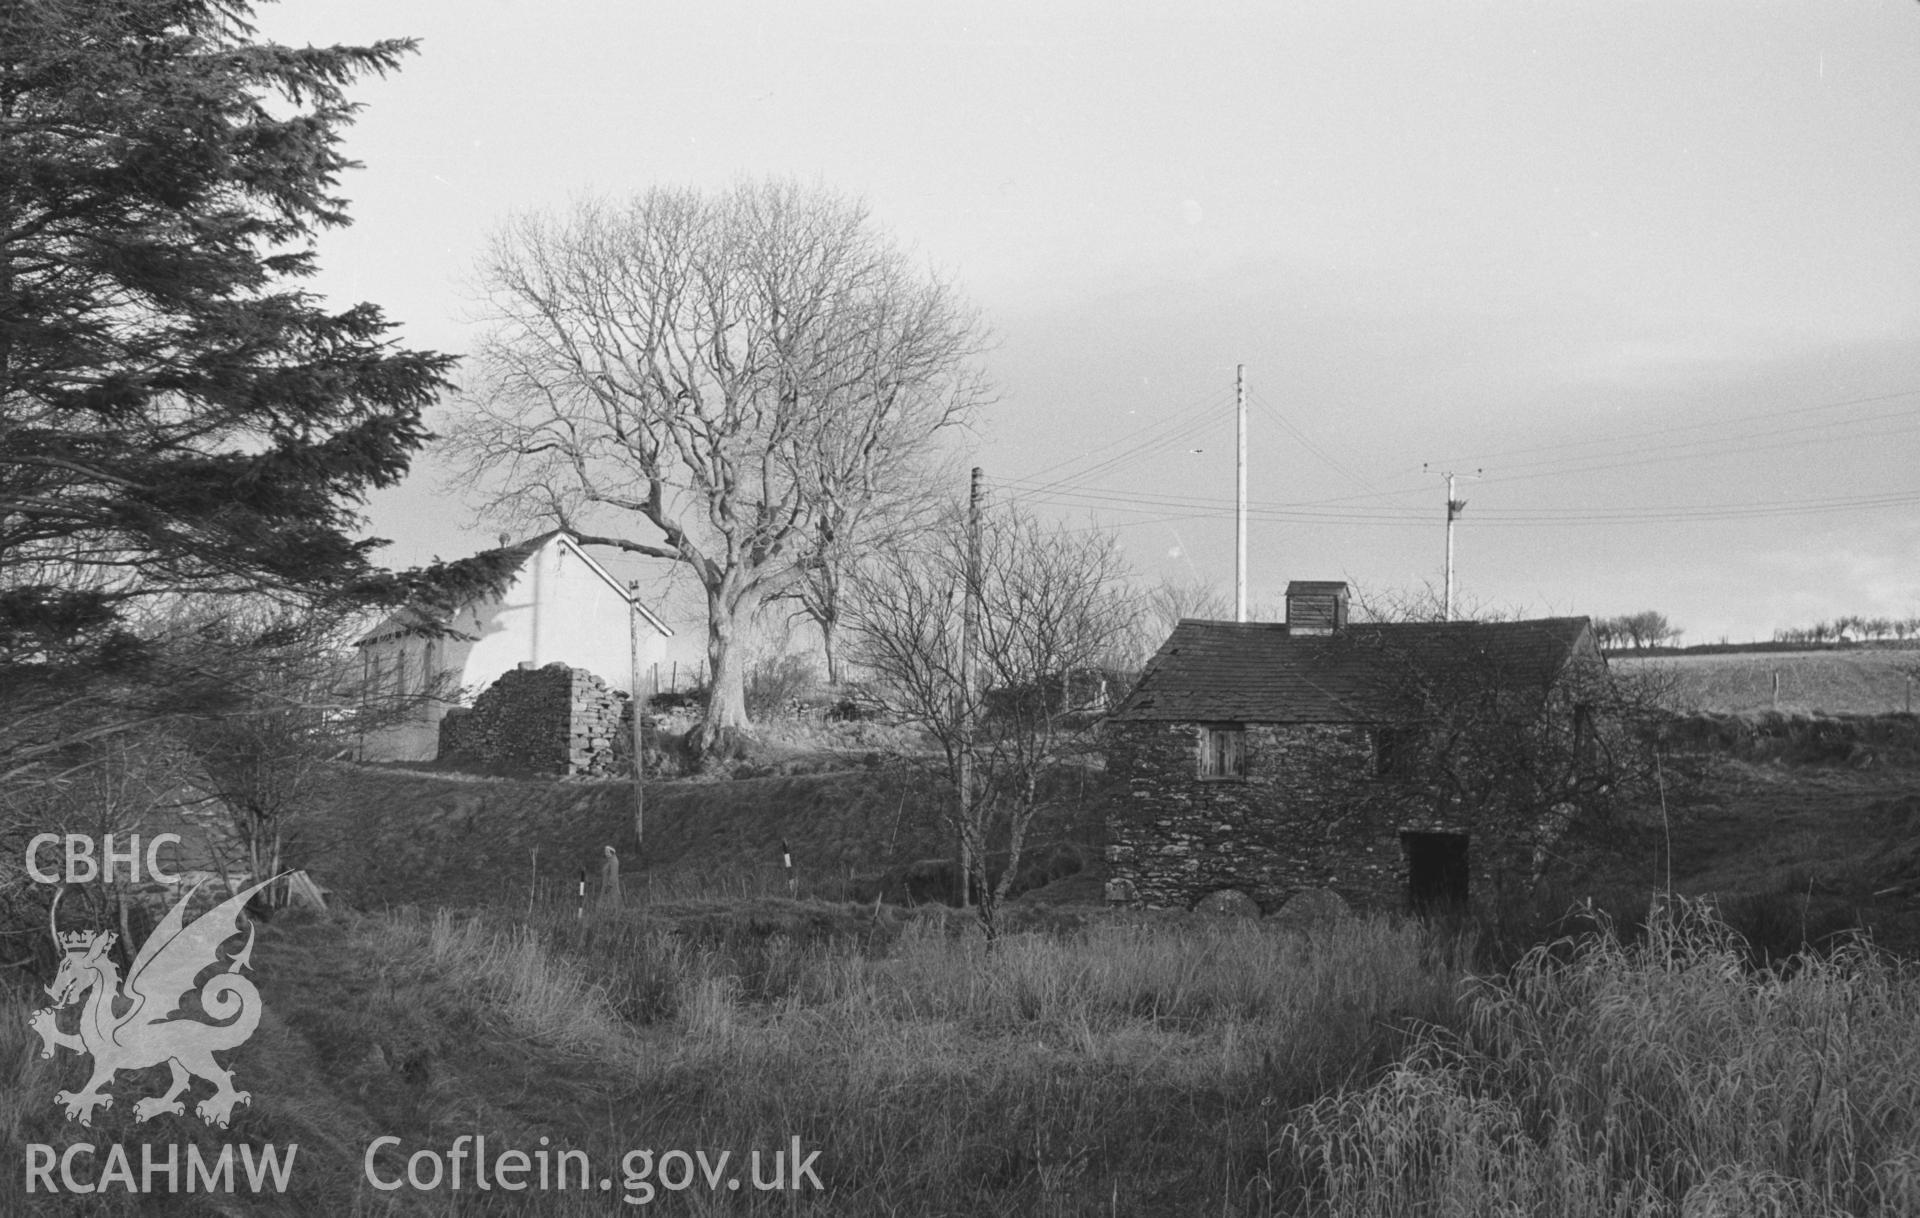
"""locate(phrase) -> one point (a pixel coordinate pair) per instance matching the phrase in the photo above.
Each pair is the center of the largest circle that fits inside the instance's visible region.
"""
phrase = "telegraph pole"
(1240, 514)
(639, 709)
(1454, 508)
(968, 607)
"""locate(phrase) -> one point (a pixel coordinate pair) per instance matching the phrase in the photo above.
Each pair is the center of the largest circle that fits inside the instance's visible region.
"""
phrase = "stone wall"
(553, 721)
(1309, 814)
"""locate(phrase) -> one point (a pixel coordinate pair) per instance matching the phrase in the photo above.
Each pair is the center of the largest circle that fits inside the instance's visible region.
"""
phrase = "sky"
(1644, 276)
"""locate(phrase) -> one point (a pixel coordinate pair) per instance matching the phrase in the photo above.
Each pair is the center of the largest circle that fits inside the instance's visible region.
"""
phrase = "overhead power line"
(1148, 503)
(1307, 442)
(1183, 506)
(1150, 440)
(1728, 431)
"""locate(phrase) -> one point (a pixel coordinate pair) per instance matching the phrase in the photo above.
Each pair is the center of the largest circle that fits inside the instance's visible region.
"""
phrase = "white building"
(560, 606)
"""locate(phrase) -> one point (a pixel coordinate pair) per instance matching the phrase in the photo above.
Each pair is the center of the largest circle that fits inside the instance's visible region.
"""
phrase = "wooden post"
(968, 607)
(1446, 612)
(1776, 689)
(786, 861)
(639, 717)
(1240, 498)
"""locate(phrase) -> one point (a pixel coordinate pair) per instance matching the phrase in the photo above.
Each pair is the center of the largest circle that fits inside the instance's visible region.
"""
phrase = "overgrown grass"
(1665, 1077)
(507, 971)
(1173, 1066)
(1117, 1069)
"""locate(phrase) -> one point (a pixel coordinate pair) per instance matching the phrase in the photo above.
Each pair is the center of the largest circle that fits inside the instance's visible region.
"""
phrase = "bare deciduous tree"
(1051, 605)
(846, 532)
(716, 380)
(1159, 608)
(1647, 628)
(1426, 603)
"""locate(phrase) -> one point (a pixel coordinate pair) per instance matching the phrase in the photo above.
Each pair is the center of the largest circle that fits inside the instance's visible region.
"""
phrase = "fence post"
(610, 878)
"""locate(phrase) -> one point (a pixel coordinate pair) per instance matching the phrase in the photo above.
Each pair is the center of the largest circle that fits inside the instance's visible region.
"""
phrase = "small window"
(1395, 751)
(1223, 751)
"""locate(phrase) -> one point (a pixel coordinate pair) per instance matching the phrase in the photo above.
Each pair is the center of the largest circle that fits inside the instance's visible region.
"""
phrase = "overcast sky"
(1651, 270)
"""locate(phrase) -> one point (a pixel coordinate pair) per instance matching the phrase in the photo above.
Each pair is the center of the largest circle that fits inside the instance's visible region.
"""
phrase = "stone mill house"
(1397, 764)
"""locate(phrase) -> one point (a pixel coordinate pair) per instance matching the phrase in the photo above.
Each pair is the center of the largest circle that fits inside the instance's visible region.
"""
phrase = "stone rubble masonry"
(554, 721)
(1309, 814)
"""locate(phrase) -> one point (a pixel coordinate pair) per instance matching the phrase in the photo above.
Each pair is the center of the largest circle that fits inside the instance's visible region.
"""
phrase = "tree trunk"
(725, 716)
(829, 630)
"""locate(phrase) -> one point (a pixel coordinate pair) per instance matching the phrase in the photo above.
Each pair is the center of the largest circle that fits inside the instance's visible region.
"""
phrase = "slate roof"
(1260, 673)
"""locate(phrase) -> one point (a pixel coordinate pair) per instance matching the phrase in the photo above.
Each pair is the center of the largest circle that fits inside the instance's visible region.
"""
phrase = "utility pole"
(639, 703)
(1240, 515)
(1454, 508)
(968, 607)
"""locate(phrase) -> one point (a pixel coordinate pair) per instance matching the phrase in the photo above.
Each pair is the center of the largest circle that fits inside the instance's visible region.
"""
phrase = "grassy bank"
(386, 837)
(1830, 681)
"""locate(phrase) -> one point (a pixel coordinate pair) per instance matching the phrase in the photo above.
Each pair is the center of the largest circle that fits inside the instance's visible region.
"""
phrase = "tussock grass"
(538, 993)
(1665, 1076)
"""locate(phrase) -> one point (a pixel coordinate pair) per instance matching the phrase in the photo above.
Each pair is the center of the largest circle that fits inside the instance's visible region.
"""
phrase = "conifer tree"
(178, 416)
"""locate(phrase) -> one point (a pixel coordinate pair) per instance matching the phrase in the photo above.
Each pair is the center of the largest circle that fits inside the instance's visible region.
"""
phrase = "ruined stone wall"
(552, 721)
(1309, 814)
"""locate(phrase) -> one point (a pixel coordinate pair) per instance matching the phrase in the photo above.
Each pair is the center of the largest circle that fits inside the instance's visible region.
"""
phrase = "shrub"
(1037, 871)
(849, 710)
(774, 684)
(691, 698)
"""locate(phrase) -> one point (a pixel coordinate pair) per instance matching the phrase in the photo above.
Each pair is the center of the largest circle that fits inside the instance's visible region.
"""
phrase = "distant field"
(1866, 681)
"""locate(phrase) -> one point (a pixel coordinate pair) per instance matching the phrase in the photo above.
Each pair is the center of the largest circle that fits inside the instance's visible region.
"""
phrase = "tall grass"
(1664, 1077)
(1120, 1069)
(537, 993)
(1179, 1067)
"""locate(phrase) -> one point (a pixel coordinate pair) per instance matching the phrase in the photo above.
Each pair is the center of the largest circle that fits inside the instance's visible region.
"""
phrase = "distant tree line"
(1647, 628)
(1851, 628)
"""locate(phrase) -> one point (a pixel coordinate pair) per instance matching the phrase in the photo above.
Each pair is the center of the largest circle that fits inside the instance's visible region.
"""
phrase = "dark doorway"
(1436, 872)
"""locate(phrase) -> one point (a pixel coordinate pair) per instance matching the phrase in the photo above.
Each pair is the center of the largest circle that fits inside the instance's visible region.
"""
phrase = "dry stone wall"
(554, 721)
